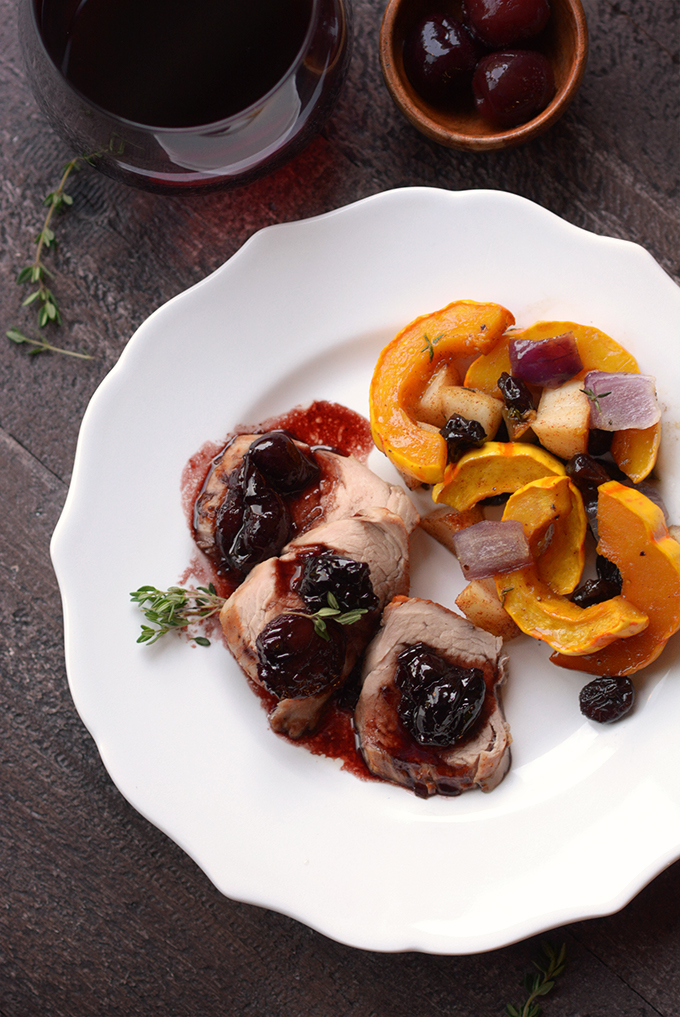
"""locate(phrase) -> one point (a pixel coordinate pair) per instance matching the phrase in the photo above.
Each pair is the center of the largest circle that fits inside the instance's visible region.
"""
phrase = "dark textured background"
(101, 914)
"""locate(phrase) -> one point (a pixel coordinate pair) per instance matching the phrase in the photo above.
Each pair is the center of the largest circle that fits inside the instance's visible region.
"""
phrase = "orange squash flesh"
(635, 450)
(543, 614)
(498, 467)
(405, 366)
(553, 502)
(634, 536)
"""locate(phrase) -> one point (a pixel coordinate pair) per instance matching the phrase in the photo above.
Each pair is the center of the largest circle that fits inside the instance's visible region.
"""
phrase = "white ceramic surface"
(586, 816)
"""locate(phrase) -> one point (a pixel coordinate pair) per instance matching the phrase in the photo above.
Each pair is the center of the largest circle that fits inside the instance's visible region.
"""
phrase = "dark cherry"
(512, 86)
(608, 584)
(349, 581)
(439, 58)
(230, 514)
(440, 701)
(607, 699)
(516, 396)
(599, 441)
(265, 523)
(287, 468)
(595, 591)
(462, 434)
(586, 472)
(501, 23)
(608, 571)
(294, 661)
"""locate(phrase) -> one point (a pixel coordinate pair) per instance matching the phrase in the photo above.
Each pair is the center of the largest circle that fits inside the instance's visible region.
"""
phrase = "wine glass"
(171, 95)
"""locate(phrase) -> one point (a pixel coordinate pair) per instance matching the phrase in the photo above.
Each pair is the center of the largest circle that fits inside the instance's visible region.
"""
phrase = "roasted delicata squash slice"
(567, 628)
(496, 468)
(635, 450)
(533, 604)
(406, 366)
(554, 519)
(633, 534)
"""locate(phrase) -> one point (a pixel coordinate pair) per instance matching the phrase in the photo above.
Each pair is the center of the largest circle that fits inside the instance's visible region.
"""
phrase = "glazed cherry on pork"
(254, 521)
(295, 661)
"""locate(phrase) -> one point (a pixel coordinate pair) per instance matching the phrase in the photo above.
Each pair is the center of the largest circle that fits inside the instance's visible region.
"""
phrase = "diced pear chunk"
(443, 523)
(563, 419)
(481, 605)
(442, 399)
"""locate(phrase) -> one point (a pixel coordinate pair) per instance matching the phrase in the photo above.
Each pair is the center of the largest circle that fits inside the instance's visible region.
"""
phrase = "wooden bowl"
(564, 41)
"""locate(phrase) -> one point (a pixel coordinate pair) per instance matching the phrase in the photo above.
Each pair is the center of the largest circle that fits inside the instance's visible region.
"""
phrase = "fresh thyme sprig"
(175, 608)
(37, 273)
(595, 397)
(332, 611)
(41, 345)
(540, 984)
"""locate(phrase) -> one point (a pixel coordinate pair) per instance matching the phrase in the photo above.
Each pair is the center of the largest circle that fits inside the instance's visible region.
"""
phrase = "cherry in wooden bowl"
(458, 123)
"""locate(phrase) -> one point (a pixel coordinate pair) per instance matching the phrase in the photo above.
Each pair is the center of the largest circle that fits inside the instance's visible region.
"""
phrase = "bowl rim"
(434, 130)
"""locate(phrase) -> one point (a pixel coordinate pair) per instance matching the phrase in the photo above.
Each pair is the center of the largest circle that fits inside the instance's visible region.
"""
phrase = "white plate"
(586, 816)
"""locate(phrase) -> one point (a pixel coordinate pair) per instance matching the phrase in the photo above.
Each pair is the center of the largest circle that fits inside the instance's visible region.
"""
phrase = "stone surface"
(102, 914)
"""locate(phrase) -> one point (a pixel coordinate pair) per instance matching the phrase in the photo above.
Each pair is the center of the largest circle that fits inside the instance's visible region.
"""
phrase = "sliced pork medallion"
(266, 489)
(281, 626)
(429, 716)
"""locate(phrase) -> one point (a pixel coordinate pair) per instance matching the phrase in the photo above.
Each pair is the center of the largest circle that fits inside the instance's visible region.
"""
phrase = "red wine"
(173, 63)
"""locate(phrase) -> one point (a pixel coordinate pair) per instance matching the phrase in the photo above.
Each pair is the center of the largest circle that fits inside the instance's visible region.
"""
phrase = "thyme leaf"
(332, 611)
(430, 344)
(595, 398)
(175, 608)
(549, 969)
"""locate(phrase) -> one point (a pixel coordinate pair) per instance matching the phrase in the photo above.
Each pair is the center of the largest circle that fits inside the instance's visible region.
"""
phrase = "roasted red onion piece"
(545, 361)
(619, 401)
(489, 547)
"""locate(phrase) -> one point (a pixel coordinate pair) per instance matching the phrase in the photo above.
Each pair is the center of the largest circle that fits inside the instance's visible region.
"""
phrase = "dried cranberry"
(440, 701)
(349, 581)
(516, 396)
(607, 699)
(265, 523)
(439, 58)
(287, 468)
(462, 434)
(294, 661)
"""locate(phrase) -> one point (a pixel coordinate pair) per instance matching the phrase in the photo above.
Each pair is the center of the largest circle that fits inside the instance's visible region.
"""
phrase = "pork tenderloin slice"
(380, 539)
(345, 488)
(478, 760)
(214, 491)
